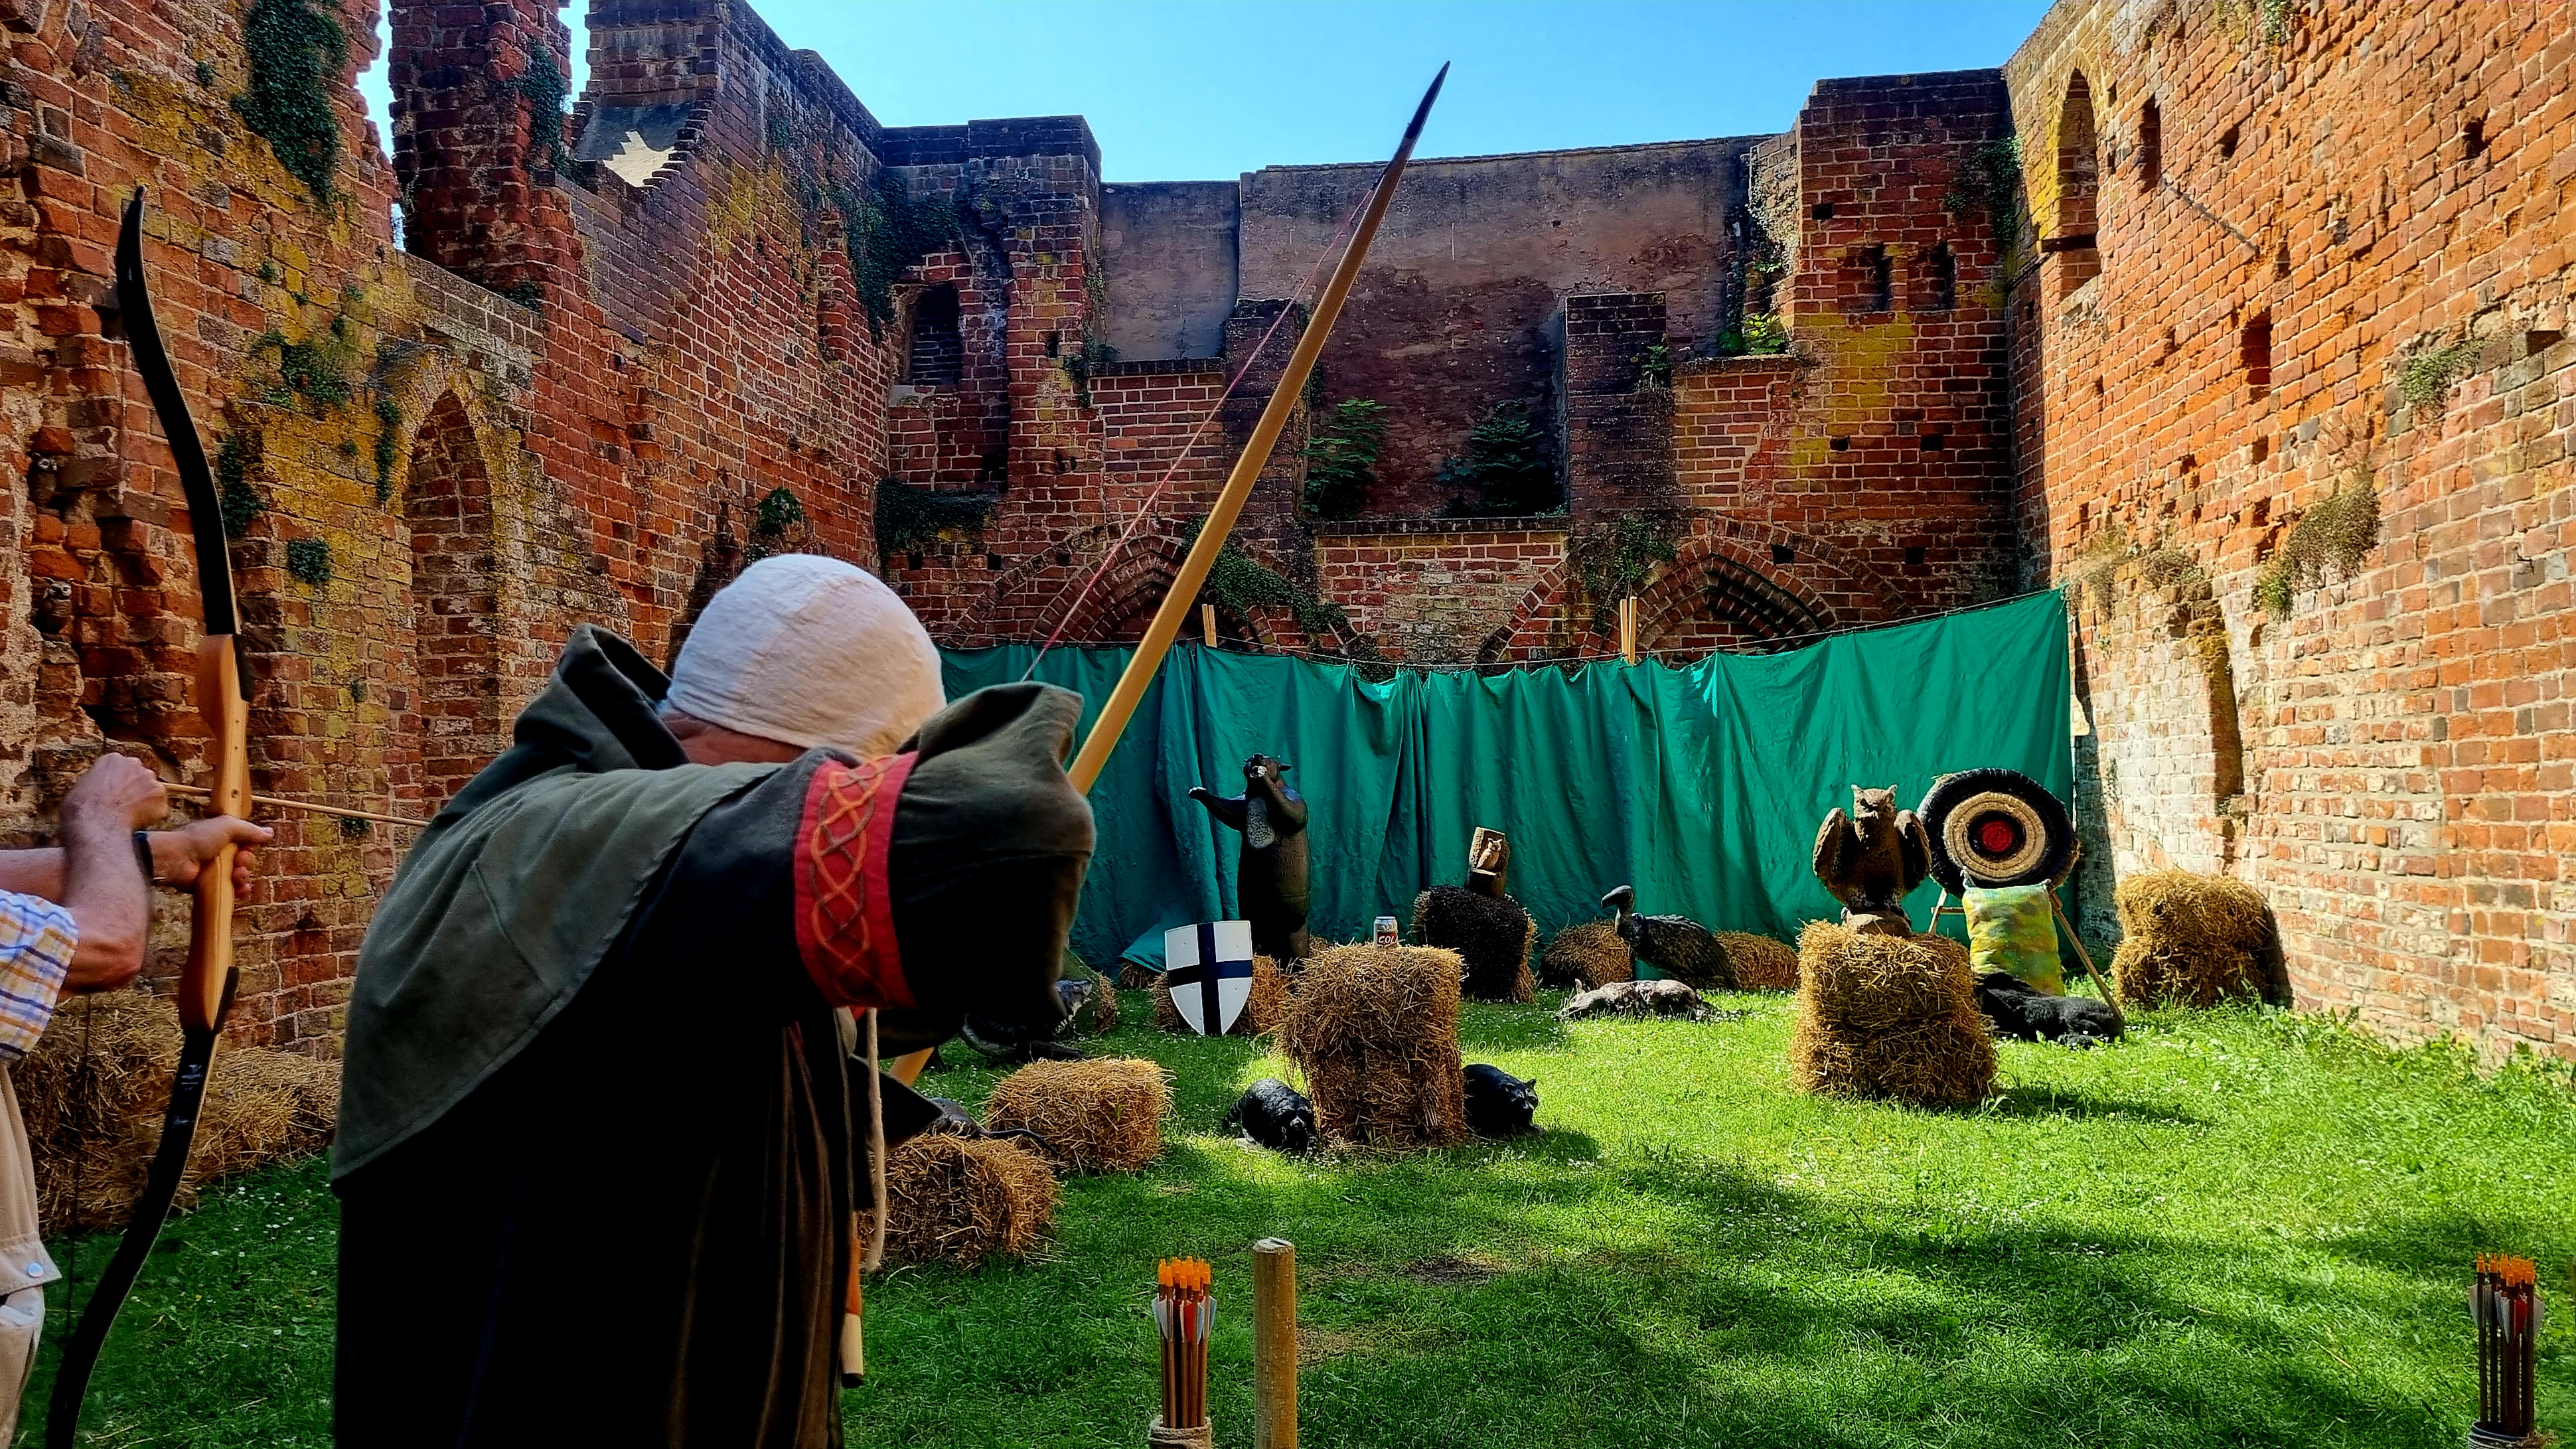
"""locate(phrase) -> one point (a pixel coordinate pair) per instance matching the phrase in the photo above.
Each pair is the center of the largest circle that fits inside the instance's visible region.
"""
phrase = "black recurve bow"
(205, 983)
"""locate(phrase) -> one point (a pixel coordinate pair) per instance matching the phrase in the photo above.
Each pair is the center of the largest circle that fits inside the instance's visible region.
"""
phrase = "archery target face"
(1994, 836)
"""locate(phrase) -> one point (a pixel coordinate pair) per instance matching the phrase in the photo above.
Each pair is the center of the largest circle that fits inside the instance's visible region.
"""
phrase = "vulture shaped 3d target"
(1995, 828)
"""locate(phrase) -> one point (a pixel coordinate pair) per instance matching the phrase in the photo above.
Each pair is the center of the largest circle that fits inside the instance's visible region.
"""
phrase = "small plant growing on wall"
(2428, 377)
(910, 520)
(1758, 335)
(1654, 367)
(778, 525)
(1341, 461)
(1615, 558)
(1507, 463)
(1080, 363)
(309, 560)
(2335, 534)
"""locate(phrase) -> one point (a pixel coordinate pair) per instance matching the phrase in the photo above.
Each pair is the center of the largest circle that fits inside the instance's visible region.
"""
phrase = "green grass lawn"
(2235, 1229)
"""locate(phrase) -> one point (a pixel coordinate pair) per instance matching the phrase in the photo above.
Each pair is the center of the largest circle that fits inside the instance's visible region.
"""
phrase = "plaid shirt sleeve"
(36, 941)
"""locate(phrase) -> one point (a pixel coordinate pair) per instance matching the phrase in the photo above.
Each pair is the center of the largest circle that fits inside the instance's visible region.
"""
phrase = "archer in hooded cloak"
(601, 1130)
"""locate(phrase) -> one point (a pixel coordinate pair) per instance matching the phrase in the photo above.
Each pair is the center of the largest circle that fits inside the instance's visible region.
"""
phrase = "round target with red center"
(1995, 828)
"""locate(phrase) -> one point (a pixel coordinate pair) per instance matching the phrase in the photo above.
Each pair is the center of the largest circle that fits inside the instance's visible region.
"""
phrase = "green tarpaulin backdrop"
(1701, 786)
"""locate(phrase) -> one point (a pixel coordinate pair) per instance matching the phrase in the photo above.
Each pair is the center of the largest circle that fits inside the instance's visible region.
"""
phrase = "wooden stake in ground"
(1628, 629)
(1274, 1344)
(1284, 395)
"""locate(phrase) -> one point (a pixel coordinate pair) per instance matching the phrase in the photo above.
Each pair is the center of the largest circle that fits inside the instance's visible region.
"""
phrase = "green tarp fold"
(1701, 786)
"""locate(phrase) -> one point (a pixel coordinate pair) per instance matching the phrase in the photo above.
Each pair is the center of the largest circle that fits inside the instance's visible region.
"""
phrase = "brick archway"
(454, 601)
(1727, 589)
(1120, 604)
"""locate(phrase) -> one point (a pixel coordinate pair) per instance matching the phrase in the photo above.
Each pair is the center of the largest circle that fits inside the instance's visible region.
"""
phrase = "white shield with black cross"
(1208, 969)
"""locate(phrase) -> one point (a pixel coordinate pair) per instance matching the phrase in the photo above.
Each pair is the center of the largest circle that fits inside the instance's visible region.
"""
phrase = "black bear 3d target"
(1995, 828)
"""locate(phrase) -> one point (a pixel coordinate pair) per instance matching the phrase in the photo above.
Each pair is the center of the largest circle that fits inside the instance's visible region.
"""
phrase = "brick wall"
(2306, 213)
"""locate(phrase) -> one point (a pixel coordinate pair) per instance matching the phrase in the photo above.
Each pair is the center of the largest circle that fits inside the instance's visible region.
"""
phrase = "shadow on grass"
(2040, 1099)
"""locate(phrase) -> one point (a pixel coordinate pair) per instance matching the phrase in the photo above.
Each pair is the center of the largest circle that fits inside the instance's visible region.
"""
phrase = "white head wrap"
(810, 651)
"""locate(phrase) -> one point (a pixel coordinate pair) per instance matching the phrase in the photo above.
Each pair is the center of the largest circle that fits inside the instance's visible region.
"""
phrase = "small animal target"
(1995, 828)
(1209, 970)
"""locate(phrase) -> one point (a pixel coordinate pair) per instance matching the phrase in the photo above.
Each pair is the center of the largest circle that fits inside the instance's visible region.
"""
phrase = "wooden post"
(1628, 629)
(1274, 1344)
(1207, 623)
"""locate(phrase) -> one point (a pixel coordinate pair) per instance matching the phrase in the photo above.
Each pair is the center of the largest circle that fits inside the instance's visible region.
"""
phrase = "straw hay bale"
(1375, 1031)
(1136, 976)
(961, 1200)
(2195, 940)
(93, 1091)
(1587, 956)
(1103, 1011)
(1102, 1115)
(1889, 1016)
(1262, 1010)
(1761, 964)
(1492, 934)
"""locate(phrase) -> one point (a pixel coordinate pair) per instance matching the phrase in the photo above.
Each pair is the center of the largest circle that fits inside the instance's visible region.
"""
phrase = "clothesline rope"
(1145, 510)
(1560, 660)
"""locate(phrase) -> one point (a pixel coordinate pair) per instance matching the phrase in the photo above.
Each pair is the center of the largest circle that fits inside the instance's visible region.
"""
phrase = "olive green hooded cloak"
(600, 1131)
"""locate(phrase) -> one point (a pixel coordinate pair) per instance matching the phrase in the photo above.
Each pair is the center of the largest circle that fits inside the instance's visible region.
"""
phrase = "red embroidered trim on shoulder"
(844, 903)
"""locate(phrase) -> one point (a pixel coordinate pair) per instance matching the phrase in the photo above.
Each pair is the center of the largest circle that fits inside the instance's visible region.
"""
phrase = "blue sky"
(1181, 90)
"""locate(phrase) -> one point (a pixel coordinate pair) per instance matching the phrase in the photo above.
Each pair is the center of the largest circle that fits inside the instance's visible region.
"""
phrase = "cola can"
(1386, 933)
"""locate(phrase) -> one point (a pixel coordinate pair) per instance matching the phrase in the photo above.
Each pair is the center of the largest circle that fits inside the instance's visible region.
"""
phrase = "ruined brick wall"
(2272, 263)
(313, 356)
(1456, 310)
(564, 409)
(1434, 591)
(1862, 476)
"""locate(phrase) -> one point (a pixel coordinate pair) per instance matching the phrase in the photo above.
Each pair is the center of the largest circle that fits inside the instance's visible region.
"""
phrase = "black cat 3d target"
(1995, 828)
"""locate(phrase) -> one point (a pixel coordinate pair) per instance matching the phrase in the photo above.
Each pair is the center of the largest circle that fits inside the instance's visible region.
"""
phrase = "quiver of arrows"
(2505, 1303)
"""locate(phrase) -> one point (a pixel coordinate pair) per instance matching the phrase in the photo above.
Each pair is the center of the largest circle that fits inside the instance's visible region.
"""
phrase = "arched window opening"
(937, 354)
(2078, 178)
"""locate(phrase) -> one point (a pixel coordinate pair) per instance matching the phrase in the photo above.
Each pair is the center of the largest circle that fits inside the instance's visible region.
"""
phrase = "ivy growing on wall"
(1341, 459)
(1083, 361)
(317, 369)
(1989, 176)
(1615, 558)
(309, 560)
(1507, 463)
(295, 51)
(1238, 583)
(886, 230)
(235, 459)
(911, 519)
(543, 85)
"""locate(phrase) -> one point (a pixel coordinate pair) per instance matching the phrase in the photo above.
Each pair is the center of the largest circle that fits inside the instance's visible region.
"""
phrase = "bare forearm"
(33, 872)
(105, 891)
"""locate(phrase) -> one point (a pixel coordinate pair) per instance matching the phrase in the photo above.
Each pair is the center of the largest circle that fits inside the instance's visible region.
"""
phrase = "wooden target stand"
(2066, 928)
